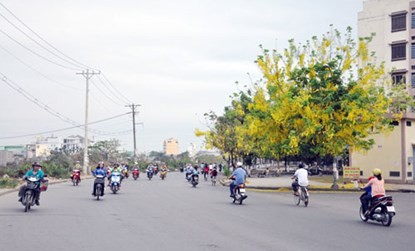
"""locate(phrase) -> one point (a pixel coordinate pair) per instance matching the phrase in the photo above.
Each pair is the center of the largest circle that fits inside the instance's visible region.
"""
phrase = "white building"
(393, 21)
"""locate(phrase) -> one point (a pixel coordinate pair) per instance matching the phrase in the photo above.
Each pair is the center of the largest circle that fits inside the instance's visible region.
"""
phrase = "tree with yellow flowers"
(314, 100)
(320, 97)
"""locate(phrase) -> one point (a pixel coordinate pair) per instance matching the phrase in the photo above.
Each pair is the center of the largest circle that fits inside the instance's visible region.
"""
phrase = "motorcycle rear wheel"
(98, 191)
(387, 219)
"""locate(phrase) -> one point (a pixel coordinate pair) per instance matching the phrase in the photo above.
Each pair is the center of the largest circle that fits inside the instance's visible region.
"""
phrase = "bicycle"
(302, 195)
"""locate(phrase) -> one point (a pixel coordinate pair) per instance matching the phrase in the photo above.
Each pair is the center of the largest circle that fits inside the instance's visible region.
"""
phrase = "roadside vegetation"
(315, 101)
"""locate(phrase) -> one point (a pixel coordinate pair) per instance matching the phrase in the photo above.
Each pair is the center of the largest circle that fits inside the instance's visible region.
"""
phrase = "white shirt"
(302, 176)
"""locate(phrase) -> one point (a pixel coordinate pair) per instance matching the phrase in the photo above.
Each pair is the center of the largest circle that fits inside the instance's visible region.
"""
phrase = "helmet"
(36, 164)
(377, 171)
(238, 163)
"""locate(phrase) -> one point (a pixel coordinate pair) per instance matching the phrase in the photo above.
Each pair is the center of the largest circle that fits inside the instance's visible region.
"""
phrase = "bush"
(8, 183)
(227, 171)
(55, 170)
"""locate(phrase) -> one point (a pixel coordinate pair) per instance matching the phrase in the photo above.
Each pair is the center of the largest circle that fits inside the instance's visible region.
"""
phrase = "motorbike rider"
(238, 176)
(34, 172)
(116, 169)
(378, 189)
(301, 178)
(99, 170)
(205, 171)
(195, 173)
(77, 170)
(214, 172)
(150, 170)
(188, 170)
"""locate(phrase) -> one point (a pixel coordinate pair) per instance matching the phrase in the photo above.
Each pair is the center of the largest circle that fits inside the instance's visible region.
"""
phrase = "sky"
(177, 59)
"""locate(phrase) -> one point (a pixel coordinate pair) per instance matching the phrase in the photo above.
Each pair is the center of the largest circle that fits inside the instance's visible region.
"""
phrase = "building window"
(409, 174)
(413, 80)
(398, 78)
(399, 22)
(394, 174)
(395, 123)
(408, 123)
(413, 21)
(398, 51)
(413, 50)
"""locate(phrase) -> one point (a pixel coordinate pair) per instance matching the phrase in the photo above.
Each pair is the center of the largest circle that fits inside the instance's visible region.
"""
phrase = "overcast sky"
(178, 59)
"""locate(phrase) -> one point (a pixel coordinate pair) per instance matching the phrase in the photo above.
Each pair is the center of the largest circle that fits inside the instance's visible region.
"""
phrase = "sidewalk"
(283, 183)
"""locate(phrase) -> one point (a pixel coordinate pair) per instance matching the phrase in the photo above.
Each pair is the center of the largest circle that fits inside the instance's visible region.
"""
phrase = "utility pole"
(87, 76)
(132, 106)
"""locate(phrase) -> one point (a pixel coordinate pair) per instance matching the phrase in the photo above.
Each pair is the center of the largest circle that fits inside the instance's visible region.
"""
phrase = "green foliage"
(227, 171)
(14, 171)
(56, 170)
(314, 101)
(8, 183)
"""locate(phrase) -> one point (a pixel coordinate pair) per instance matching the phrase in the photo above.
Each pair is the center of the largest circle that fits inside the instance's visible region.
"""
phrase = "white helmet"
(238, 163)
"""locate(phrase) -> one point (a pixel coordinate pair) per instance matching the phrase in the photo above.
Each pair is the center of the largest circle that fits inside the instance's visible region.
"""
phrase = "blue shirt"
(100, 171)
(239, 174)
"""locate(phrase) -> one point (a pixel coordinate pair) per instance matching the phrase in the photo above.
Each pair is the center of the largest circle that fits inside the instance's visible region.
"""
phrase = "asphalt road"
(171, 215)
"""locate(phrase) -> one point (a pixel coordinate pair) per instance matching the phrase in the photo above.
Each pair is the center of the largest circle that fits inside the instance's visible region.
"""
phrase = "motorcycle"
(76, 177)
(213, 179)
(99, 188)
(194, 180)
(115, 182)
(380, 210)
(163, 174)
(136, 174)
(149, 175)
(125, 173)
(29, 194)
(240, 194)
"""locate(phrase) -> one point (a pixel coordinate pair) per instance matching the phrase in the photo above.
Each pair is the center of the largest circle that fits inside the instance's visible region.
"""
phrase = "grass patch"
(8, 183)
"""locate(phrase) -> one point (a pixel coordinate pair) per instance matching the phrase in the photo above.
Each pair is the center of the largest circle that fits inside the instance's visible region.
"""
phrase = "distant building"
(74, 143)
(11, 154)
(37, 151)
(171, 146)
(192, 150)
(394, 44)
(5, 157)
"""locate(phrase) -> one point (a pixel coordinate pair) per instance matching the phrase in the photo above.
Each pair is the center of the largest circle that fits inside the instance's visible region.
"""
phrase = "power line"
(37, 54)
(45, 107)
(36, 42)
(35, 70)
(108, 97)
(67, 128)
(113, 87)
(46, 42)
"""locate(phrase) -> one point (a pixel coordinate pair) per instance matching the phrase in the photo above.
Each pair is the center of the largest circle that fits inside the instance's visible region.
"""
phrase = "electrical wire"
(46, 42)
(65, 129)
(48, 109)
(35, 70)
(109, 82)
(108, 97)
(36, 42)
(37, 54)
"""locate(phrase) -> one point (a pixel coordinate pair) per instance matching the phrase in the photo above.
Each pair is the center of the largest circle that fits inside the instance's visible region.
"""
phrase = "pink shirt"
(378, 186)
